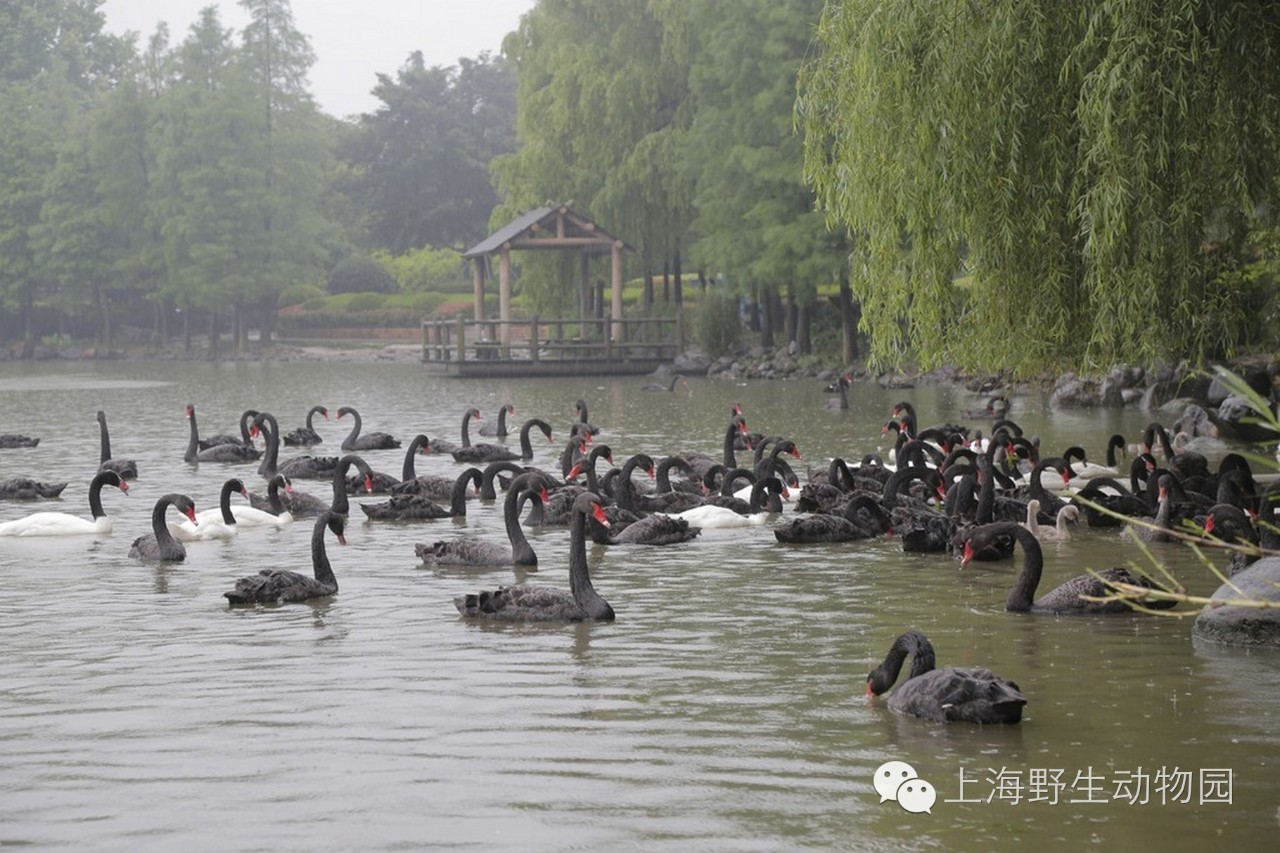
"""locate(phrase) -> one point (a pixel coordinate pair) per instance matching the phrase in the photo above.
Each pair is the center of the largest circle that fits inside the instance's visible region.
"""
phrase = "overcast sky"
(353, 39)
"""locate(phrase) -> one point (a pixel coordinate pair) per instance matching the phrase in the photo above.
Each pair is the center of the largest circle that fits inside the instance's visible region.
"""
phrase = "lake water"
(724, 709)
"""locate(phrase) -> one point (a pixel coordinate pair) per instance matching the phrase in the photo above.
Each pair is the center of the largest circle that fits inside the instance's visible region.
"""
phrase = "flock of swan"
(946, 488)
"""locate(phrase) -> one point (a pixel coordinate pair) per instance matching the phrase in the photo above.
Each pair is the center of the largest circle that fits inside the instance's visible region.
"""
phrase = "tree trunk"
(803, 312)
(789, 319)
(241, 330)
(770, 319)
(666, 282)
(848, 323)
(213, 334)
(678, 284)
(186, 332)
(648, 291)
(104, 305)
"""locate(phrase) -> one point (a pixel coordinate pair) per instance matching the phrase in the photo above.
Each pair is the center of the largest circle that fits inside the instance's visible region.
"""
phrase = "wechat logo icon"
(898, 781)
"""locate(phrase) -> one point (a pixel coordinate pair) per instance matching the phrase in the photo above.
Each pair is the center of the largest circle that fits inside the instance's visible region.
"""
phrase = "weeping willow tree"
(1036, 185)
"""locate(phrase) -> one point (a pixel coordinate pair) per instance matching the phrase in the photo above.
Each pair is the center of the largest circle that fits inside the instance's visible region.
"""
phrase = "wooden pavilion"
(552, 227)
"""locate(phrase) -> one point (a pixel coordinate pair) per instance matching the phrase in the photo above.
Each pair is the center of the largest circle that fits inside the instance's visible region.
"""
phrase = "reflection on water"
(723, 709)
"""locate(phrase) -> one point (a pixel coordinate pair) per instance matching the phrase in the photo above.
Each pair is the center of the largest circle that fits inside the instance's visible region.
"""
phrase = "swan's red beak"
(795, 451)
(742, 426)
(871, 694)
(597, 512)
(968, 554)
(368, 484)
(124, 487)
(191, 513)
(575, 471)
(1208, 525)
(543, 495)
(342, 540)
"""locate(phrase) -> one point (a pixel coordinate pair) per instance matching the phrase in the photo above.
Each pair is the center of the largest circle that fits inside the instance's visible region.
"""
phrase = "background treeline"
(1003, 185)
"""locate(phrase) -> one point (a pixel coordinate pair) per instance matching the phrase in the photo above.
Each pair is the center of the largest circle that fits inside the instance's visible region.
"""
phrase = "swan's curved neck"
(224, 503)
(271, 436)
(1022, 596)
(579, 577)
(95, 497)
(193, 445)
(522, 553)
(320, 558)
(348, 443)
(410, 469)
(104, 439)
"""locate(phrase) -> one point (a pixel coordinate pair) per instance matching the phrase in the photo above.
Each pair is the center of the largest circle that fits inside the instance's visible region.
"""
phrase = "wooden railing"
(535, 339)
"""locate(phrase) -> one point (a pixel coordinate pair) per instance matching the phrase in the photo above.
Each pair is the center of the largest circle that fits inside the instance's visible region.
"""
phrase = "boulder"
(1245, 626)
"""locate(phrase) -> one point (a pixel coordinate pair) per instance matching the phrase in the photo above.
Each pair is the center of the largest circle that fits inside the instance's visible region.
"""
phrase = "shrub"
(366, 302)
(360, 274)
(299, 294)
(715, 324)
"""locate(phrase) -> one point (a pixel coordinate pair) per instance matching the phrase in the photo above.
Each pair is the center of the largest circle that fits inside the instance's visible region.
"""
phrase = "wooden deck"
(494, 349)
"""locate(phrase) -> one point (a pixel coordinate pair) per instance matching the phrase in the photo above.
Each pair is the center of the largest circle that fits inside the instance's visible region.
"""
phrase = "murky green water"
(723, 710)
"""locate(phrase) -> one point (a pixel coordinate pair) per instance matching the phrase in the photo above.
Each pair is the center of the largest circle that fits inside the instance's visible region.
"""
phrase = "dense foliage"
(1003, 184)
(1091, 167)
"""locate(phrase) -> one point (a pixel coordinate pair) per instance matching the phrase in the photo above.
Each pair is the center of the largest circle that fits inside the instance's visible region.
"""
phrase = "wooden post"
(533, 338)
(462, 339)
(426, 352)
(477, 287)
(616, 255)
(679, 330)
(504, 301)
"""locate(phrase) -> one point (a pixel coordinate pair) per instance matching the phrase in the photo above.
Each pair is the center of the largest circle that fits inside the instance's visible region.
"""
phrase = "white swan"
(711, 517)
(215, 523)
(64, 523)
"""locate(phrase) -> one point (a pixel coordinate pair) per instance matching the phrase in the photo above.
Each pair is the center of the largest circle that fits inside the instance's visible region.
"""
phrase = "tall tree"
(423, 156)
(54, 58)
(1078, 163)
(756, 223)
(289, 161)
(602, 108)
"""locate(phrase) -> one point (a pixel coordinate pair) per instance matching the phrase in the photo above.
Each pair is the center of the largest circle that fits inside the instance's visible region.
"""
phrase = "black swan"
(656, 529)
(10, 441)
(316, 467)
(159, 545)
(840, 403)
(997, 407)
(410, 483)
(580, 409)
(492, 474)
(222, 452)
(216, 523)
(1069, 596)
(64, 523)
(422, 508)
(863, 518)
(468, 551)
(1231, 525)
(368, 441)
(275, 586)
(947, 695)
(245, 437)
(27, 489)
(670, 386)
(440, 445)
(126, 468)
(303, 505)
(579, 603)
(482, 452)
(305, 436)
(498, 430)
